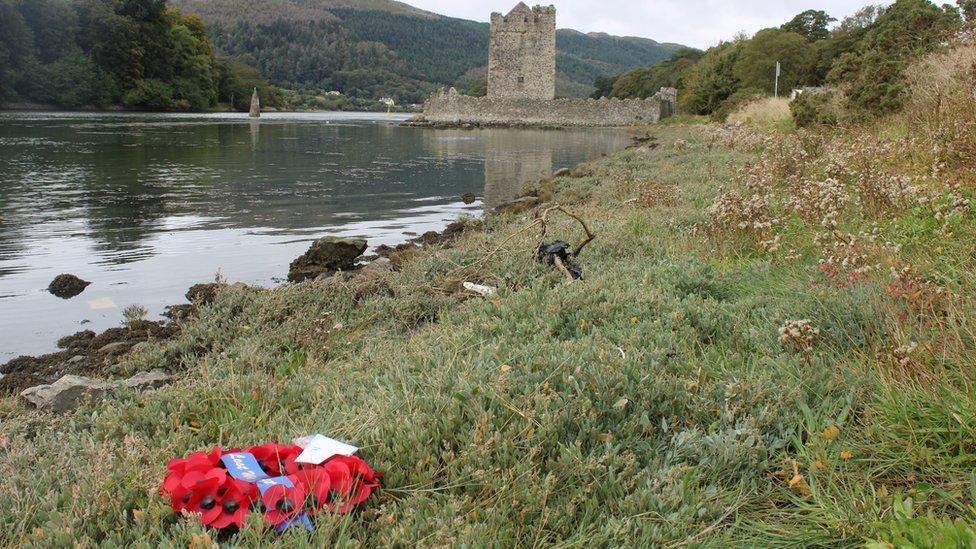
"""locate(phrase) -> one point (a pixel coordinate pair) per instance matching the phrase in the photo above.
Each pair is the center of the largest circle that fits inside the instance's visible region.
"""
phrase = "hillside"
(371, 48)
(230, 12)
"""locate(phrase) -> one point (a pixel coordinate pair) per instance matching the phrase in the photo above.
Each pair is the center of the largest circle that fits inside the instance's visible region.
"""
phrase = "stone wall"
(522, 54)
(452, 108)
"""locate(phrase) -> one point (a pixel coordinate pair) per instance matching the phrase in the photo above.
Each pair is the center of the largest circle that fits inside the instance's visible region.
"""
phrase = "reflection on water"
(146, 205)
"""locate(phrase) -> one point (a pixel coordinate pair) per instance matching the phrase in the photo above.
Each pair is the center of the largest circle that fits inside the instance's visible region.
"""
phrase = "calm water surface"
(146, 205)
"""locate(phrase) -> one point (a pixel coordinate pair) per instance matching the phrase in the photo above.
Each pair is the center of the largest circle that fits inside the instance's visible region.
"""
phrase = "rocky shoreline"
(57, 380)
(104, 355)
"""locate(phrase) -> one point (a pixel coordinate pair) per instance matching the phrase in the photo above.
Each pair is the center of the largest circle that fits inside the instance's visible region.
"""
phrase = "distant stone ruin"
(522, 54)
(255, 105)
(522, 84)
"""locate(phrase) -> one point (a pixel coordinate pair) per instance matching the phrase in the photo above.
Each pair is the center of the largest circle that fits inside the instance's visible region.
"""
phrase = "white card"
(101, 303)
(320, 448)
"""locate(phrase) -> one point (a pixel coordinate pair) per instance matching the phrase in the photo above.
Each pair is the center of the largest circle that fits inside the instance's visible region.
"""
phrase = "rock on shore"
(83, 353)
(326, 256)
(67, 286)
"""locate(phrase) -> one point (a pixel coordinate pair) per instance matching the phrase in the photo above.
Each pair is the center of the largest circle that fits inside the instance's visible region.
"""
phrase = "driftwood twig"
(544, 219)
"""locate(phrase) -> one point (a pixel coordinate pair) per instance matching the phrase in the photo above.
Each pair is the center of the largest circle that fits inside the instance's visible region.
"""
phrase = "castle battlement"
(522, 14)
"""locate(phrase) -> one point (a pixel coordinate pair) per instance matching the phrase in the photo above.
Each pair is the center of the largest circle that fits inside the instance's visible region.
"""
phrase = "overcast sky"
(698, 23)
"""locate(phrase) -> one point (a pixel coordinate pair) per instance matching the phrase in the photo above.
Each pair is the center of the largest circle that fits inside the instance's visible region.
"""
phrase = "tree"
(604, 86)
(236, 82)
(54, 25)
(811, 24)
(873, 74)
(478, 88)
(16, 52)
(843, 39)
(712, 80)
(643, 83)
(150, 93)
(73, 81)
(967, 8)
(756, 65)
(195, 75)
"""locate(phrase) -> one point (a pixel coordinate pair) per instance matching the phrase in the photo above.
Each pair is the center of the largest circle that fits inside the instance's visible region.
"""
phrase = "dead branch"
(490, 254)
(562, 268)
(544, 219)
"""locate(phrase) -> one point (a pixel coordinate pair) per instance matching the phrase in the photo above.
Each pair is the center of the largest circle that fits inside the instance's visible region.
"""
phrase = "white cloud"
(699, 23)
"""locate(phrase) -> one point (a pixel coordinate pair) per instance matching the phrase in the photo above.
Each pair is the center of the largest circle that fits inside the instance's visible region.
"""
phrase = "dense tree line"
(98, 53)
(322, 55)
(375, 53)
(864, 56)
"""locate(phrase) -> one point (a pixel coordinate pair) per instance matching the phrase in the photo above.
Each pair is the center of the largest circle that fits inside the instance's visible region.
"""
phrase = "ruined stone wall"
(522, 54)
(452, 108)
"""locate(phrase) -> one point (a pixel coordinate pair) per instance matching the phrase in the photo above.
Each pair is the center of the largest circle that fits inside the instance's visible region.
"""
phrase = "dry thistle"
(799, 334)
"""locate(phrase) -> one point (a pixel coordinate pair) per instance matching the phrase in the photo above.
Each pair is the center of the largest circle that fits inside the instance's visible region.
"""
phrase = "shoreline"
(119, 342)
(78, 352)
(40, 108)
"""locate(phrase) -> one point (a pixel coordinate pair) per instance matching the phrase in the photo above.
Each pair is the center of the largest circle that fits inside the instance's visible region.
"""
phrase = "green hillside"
(372, 48)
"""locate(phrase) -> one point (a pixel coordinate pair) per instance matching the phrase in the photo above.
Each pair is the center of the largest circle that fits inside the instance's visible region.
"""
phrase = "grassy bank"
(655, 402)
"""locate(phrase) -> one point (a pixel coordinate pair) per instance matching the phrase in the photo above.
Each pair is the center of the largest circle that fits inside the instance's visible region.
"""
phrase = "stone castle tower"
(522, 54)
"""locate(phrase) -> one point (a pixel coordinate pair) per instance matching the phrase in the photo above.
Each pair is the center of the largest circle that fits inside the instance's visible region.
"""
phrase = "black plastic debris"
(549, 253)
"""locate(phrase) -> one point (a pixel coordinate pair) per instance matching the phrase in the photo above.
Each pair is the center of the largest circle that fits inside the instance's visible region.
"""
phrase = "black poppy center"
(313, 502)
(231, 506)
(208, 503)
(186, 498)
(285, 505)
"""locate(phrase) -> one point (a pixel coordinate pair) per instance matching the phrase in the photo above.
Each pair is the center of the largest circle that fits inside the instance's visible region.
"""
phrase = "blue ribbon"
(244, 466)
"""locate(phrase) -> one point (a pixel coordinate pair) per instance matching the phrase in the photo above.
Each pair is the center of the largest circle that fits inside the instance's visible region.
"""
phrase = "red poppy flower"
(273, 456)
(196, 460)
(234, 503)
(202, 490)
(352, 482)
(316, 483)
(283, 503)
(195, 463)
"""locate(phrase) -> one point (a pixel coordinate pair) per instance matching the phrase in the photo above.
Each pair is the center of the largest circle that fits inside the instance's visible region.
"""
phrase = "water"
(146, 205)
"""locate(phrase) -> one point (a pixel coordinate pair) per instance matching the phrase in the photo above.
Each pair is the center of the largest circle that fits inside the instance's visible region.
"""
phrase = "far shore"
(40, 107)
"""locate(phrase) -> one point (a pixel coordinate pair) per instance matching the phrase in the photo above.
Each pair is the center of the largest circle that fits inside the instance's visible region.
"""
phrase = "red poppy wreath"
(287, 483)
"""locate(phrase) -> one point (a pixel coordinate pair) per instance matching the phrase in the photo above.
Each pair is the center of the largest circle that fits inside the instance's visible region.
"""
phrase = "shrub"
(873, 76)
(815, 109)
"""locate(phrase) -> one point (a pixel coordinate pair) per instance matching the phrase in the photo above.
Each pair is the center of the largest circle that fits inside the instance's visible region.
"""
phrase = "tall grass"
(655, 403)
(768, 113)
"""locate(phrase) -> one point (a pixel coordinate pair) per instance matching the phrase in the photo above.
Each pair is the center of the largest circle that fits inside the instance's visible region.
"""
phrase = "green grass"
(651, 403)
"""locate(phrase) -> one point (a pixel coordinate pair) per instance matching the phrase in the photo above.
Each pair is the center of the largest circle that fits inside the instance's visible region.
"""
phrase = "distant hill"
(267, 11)
(372, 48)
